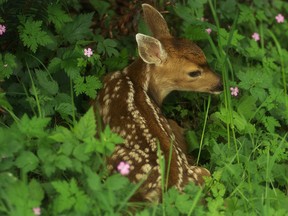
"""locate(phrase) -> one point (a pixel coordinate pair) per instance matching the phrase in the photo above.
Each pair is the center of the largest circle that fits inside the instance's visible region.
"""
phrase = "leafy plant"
(54, 55)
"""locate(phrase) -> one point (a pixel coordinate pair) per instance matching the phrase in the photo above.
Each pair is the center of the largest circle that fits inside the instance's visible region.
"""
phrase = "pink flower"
(37, 211)
(279, 18)
(234, 91)
(256, 36)
(2, 29)
(208, 30)
(123, 168)
(88, 52)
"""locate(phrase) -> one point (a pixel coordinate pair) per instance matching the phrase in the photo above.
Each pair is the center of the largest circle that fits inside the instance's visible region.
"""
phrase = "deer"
(130, 103)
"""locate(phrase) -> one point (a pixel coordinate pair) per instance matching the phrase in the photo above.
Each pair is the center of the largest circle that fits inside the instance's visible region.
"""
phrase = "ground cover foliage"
(52, 164)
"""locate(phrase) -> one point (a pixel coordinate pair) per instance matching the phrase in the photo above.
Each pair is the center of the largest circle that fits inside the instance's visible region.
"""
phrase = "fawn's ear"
(150, 49)
(155, 21)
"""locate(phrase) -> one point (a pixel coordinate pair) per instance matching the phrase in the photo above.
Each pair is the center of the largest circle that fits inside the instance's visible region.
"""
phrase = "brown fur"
(130, 103)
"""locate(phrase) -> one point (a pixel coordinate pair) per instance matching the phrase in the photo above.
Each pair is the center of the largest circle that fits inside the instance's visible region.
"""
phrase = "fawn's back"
(130, 103)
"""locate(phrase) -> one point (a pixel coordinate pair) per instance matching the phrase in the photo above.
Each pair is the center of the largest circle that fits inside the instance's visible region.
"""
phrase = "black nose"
(218, 88)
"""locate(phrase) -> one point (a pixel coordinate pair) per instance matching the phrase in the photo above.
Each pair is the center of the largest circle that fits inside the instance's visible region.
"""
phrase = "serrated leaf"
(33, 127)
(80, 153)
(78, 29)
(57, 16)
(27, 161)
(270, 123)
(116, 182)
(86, 127)
(224, 37)
(87, 85)
(94, 182)
(63, 162)
(183, 203)
(7, 65)
(36, 191)
(69, 64)
(92, 84)
(70, 196)
(65, 109)
(54, 65)
(32, 35)
(46, 82)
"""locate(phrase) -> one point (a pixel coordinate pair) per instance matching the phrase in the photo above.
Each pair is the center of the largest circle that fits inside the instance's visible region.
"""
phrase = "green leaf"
(246, 14)
(87, 85)
(69, 64)
(80, 153)
(36, 191)
(46, 82)
(270, 123)
(57, 16)
(65, 200)
(32, 35)
(54, 65)
(107, 142)
(70, 196)
(224, 37)
(247, 107)
(86, 127)
(27, 161)
(63, 162)
(33, 127)
(183, 203)
(116, 182)
(100, 6)
(4, 102)
(7, 65)
(94, 182)
(78, 29)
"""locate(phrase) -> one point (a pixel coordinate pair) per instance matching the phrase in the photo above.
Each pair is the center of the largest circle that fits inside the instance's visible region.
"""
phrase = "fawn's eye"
(195, 73)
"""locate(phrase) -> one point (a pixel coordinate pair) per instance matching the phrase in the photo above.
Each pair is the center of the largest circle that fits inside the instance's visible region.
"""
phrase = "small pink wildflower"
(123, 168)
(234, 91)
(37, 211)
(256, 36)
(2, 29)
(88, 52)
(279, 18)
(208, 30)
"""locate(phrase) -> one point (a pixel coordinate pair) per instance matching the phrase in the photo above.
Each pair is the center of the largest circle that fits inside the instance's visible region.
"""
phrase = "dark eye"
(195, 73)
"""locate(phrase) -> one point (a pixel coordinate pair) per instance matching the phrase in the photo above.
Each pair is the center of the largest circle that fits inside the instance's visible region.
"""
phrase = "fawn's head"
(174, 64)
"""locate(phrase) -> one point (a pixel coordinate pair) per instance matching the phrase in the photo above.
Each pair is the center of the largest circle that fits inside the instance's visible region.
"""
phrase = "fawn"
(130, 104)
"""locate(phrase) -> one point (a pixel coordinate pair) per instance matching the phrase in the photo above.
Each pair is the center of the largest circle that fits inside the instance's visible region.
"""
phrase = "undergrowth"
(53, 56)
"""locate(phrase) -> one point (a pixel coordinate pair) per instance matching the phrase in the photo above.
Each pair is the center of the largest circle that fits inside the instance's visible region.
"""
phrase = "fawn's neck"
(149, 79)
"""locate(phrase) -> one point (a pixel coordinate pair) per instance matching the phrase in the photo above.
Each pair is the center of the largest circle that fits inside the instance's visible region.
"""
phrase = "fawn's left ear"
(156, 22)
(150, 49)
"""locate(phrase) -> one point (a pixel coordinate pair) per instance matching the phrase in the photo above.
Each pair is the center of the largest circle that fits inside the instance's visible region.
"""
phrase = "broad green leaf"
(116, 182)
(94, 182)
(80, 153)
(27, 161)
(57, 16)
(78, 29)
(46, 82)
(63, 162)
(36, 191)
(86, 127)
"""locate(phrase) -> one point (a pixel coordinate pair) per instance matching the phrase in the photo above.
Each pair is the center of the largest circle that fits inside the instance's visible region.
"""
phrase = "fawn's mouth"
(217, 89)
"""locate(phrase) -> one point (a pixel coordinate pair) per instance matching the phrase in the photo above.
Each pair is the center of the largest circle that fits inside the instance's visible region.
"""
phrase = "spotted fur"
(130, 103)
